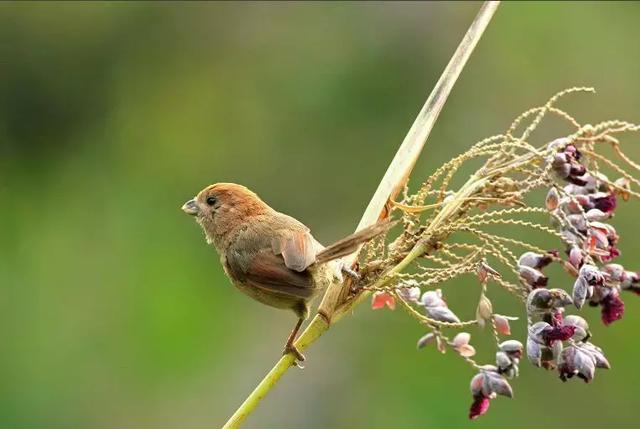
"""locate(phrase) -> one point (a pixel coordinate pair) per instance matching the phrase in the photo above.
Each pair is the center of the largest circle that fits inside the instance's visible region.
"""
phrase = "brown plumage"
(268, 255)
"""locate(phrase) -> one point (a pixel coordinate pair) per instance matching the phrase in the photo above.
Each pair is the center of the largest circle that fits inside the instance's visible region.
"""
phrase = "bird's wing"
(296, 247)
(268, 272)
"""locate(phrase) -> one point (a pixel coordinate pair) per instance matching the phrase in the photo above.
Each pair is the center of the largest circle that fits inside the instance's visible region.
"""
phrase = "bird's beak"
(191, 208)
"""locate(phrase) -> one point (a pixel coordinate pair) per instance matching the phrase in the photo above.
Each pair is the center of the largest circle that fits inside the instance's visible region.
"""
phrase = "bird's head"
(222, 207)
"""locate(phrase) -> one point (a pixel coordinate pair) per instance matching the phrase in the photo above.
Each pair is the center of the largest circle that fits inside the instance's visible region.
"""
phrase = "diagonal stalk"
(333, 307)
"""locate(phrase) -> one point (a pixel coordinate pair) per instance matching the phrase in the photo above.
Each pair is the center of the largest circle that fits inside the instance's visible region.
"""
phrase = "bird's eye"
(211, 200)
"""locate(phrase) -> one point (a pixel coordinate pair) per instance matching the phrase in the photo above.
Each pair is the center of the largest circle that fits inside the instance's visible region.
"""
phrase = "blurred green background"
(114, 312)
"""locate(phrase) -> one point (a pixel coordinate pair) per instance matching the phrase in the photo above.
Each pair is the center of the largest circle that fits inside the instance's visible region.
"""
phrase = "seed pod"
(572, 189)
(560, 298)
(543, 300)
(597, 354)
(497, 384)
(426, 339)
(582, 332)
(578, 221)
(442, 314)
(476, 384)
(461, 338)
(433, 298)
(552, 200)
(411, 294)
(512, 347)
(503, 361)
(577, 170)
(630, 282)
(534, 352)
(616, 272)
(581, 291)
(502, 324)
(623, 186)
(596, 215)
(558, 144)
(604, 201)
(535, 331)
(574, 361)
(569, 236)
(592, 275)
(538, 299)
(532, 277)
(576, 258)
(483, 311)
(535, 260)
(461, 344)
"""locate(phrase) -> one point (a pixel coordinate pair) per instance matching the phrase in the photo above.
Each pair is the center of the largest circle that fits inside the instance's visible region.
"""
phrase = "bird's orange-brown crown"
(233, 197)
(222, 208)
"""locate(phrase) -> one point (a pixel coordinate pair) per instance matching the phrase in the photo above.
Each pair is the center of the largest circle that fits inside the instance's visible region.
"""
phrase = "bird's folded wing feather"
(296, 247)
(269, 273)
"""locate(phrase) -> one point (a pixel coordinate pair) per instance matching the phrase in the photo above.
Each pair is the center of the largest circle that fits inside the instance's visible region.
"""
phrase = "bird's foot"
(351, 273)
(293, 350)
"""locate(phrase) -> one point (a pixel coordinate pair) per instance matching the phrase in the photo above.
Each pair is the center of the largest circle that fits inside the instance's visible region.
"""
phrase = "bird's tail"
(350, 243)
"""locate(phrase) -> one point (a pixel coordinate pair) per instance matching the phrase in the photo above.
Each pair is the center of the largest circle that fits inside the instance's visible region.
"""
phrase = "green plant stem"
(315, 329)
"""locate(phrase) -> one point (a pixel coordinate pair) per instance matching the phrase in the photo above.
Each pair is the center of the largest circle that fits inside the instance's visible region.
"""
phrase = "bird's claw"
(293, 350)
(351, 273)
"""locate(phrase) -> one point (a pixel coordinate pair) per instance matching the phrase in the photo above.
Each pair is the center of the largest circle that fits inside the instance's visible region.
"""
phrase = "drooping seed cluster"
(444, 237)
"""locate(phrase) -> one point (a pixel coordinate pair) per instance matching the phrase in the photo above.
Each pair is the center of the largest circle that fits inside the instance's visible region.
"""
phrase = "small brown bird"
(268, 255)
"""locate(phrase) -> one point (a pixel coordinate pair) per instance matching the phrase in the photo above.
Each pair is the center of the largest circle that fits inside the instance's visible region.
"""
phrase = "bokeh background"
(114, 312)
